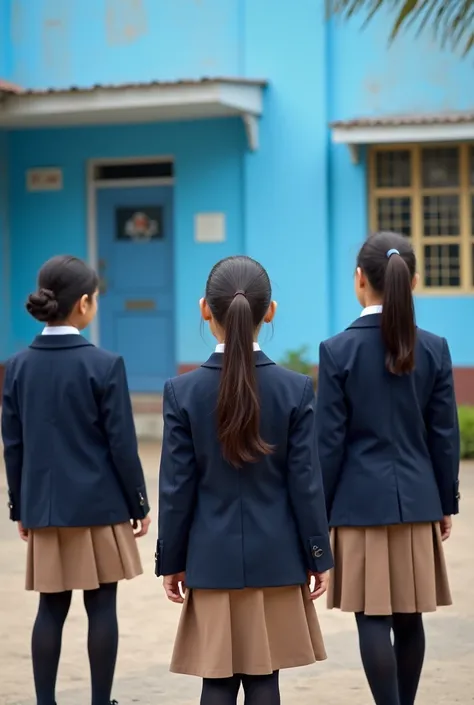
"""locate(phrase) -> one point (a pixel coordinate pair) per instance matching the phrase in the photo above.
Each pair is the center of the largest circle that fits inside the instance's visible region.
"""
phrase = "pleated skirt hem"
(385, 569)
(201, 670)
(81, 558)
(251, 631)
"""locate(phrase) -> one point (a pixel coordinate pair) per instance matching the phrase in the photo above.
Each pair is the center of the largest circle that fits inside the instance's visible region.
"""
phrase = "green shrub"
(298, 361)
(466, 430)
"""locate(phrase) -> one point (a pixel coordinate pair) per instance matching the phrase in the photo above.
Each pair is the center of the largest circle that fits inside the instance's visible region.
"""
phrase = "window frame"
(415, 192)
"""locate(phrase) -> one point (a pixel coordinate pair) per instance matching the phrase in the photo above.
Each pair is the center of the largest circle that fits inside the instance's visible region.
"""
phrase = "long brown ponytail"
(389, 263)
(238, 293)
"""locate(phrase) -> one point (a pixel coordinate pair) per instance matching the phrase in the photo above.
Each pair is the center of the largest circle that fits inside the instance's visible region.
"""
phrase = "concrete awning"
(141, 102)
(401, 129)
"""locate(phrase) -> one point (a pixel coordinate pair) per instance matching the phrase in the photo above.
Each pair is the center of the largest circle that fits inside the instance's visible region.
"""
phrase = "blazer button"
(142, 500)
(317, 552)
(458, 496)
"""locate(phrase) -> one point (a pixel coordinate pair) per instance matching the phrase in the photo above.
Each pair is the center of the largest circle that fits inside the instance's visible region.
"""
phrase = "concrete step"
(148, 415)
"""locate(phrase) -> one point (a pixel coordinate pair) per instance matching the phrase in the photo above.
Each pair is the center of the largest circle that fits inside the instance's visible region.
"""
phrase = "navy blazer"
(69, 440)
(263, 525)
(388, 444)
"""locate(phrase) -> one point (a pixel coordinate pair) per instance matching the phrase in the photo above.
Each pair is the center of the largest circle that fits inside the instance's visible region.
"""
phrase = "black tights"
(259, 690)
(101, 608)
(393, 670)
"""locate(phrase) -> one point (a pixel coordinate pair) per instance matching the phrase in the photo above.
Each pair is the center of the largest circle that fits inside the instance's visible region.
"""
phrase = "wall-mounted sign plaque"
(44, 179)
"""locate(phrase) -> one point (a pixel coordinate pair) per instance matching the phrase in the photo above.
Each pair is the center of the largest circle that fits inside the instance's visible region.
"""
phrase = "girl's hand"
(22, 532)
(318, 584)
(175, 587)
(141, 526)
(446, 524)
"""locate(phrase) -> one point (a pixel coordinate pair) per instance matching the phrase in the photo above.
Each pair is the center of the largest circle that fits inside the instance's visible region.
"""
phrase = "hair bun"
(42, 305)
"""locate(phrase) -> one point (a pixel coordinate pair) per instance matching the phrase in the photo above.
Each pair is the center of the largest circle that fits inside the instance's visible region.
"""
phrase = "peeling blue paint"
(70, 43)
(412, 75)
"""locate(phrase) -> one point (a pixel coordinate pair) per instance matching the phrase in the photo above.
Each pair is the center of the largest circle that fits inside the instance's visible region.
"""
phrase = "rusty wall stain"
(125, 21)
(17, 14)
(55, 40)
(373, 86)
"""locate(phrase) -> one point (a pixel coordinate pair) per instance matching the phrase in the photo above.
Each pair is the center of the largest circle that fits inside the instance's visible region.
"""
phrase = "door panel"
(135, 235)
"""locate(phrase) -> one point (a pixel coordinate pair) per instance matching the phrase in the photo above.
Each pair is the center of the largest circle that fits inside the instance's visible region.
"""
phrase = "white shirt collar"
(220, 347)
(370, 310)
(60, 330)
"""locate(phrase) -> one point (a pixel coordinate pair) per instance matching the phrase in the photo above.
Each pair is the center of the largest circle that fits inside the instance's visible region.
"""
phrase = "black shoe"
(114, 702)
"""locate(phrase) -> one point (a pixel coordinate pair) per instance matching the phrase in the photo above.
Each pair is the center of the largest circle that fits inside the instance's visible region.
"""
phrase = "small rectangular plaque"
(140, 305)
(44, 179)
(209, 227)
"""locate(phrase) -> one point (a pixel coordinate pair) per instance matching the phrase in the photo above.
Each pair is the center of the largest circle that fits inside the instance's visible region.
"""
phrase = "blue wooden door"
(135, 233)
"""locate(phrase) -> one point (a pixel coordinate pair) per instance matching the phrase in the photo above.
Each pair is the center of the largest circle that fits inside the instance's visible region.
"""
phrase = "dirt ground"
(148, 622)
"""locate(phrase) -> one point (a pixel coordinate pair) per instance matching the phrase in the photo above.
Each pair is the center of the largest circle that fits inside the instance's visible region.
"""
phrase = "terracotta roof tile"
(446, 118)
(6, 87)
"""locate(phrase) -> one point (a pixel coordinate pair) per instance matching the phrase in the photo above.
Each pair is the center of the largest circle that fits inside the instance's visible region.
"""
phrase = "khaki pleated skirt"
(385, 569)
(81, 558)
(250, 631)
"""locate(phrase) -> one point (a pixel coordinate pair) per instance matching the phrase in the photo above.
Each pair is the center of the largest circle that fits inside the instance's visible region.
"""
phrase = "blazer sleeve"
(177, 488)
(443, 435)
(331, 422)
(306, 486)
(120, 430)
(12, 435)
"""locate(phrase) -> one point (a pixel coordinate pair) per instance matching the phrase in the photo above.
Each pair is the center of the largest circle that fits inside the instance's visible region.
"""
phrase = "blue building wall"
(4, 281)
(366, 78)
(65, 43)
(298, 204)
(208, 160)
(285, 181)
(276, 197)
(4, 39)
(5, 313)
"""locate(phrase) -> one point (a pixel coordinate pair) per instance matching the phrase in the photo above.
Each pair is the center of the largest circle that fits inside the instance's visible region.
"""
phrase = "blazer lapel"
(370, 321)
(59, 342)
(216, 360)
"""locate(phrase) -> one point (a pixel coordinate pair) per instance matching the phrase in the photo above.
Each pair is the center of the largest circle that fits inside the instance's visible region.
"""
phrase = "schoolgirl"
(242, 521)
(74, 476)
(389, 451)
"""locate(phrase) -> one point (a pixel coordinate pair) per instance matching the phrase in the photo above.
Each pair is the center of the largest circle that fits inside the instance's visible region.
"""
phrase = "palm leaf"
(408, 10)
(450, 21)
